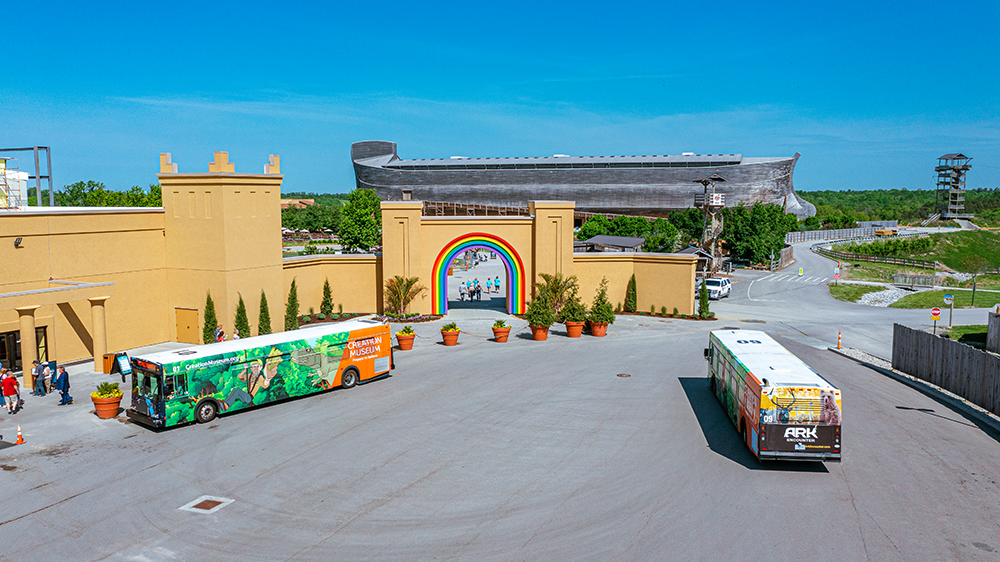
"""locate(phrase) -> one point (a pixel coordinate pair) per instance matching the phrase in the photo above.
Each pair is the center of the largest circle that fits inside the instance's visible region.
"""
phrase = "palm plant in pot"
(449, 333)
(540, 316)
(500, 331)
(107, 399)
(405, 338)
(573, 315)
(601, 313)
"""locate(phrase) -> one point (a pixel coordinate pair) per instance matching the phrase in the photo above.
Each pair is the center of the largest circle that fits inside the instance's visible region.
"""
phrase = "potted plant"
(449, 333)
(405, 337)
(107, 399)
(601, 312)
(574, 315)
(540, 316)
(500, 331)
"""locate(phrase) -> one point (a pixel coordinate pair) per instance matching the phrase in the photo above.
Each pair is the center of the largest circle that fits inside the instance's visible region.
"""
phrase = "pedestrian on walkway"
(489, 285)
(461, 292)
(11, 392)
(236, 333)
(39, 373)
(497, 283)
(62, 385)
(220, 335)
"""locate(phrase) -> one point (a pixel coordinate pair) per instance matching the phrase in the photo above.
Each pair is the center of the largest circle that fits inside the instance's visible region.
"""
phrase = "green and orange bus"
(198, 383)
(783, 409)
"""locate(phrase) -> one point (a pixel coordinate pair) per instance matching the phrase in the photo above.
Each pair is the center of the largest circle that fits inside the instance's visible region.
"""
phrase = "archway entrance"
(512, 279)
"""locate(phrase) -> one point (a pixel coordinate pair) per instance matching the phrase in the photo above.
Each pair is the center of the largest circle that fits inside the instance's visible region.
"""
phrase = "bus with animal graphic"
(783, 409)
(198, 383)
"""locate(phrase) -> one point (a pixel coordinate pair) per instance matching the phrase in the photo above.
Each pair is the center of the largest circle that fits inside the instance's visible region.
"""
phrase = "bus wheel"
(711, 383)
(743, 432)
(349, 378)
(206, 411)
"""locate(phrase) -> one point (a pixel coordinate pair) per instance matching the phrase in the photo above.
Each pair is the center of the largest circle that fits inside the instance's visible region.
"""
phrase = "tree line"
(842, 209)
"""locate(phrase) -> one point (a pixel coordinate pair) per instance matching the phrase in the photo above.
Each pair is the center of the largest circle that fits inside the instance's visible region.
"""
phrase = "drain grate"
(624, 375)
(206, 504)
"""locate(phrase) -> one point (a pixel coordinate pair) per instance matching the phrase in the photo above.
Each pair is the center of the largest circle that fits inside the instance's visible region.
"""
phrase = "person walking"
(496, 284)
(39, 373)
(62, 385)
(236, 333)
(461, 292)
(489, 285)
(219, 334)
(11, 393)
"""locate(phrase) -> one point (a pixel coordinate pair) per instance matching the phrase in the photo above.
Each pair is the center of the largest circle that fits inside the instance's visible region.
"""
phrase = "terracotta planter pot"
(574, 329)
(599, 329)
(501, 334)
(405, 341)
(539, 333)
(107, 408)
(450, 338)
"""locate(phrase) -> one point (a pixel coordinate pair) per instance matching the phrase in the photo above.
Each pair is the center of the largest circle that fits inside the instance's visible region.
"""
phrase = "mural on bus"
(254, 376)
(800, 405)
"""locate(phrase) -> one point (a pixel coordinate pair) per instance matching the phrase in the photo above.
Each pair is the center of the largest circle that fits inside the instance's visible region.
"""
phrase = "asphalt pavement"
(518, 451)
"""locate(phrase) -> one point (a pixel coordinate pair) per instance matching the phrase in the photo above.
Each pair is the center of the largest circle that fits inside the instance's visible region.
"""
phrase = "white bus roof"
(229, 346)
(769, 359)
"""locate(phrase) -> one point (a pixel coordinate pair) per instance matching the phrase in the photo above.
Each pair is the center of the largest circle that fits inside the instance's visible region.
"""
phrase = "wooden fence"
(915, 280)
(962, 369)
(850, 256)
(993, 333)
(786, 257)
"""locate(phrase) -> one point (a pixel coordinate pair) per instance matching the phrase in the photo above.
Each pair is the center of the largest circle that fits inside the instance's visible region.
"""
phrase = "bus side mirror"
(706, 353)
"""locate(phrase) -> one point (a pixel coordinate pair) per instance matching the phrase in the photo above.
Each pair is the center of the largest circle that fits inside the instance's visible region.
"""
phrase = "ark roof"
(570, 161)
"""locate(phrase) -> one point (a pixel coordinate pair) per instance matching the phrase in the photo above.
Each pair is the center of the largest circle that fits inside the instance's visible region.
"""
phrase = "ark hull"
(629, 185)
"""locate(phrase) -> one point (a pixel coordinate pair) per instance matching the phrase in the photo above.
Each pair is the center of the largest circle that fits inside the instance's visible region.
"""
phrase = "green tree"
(626, 225)
(361, 226)
(703, 311)
(755, 232)
(558, 288)
(594, 226)
(601, 310)
(630, 295)
(690, 221)
(242, 323)
(399, 291)
(662, 237)
(264, 318)
(540, 312)
(211, 321)
(292, 308)
(326, 306)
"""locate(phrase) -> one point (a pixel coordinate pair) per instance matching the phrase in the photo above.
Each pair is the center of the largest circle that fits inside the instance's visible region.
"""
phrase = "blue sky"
(870, 94)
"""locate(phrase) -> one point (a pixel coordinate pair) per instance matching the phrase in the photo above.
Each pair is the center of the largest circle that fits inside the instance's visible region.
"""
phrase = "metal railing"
(807, 235)
(850, 256)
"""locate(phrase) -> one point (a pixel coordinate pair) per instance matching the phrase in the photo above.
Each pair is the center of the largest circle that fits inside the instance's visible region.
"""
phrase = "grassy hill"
(967, 251)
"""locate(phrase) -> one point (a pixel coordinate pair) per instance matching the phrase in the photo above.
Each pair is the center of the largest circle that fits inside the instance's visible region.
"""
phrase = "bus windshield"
(146, 384)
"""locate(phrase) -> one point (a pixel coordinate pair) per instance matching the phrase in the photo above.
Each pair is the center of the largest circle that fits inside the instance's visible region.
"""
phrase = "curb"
(939, 394)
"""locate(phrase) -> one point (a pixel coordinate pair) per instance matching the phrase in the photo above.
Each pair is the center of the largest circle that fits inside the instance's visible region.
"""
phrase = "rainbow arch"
(478, 240)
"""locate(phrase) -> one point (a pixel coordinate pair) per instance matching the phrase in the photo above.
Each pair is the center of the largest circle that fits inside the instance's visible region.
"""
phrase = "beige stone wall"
(354, 282)
(124, 246)
(660, 279)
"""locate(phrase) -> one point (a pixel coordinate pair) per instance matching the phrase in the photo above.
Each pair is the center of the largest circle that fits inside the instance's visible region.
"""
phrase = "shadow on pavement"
(722, 436)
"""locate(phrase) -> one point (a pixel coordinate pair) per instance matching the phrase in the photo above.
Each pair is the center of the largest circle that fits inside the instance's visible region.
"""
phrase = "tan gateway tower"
(82, 281)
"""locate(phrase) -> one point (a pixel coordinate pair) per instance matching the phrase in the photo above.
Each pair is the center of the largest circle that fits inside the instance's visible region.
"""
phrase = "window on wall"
(43, 344)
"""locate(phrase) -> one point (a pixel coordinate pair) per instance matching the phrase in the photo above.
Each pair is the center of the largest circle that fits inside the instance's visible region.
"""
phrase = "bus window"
(180, 384)
(150, 388)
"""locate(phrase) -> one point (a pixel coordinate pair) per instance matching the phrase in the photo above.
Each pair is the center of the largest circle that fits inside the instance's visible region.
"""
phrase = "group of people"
(474, 291)
(45, 383)
(220, 334)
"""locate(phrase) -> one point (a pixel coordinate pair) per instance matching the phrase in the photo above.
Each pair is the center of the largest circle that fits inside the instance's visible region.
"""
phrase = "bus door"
(147, 395)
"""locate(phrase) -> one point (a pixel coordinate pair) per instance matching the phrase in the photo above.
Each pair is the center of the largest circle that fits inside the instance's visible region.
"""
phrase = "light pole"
(710, 204)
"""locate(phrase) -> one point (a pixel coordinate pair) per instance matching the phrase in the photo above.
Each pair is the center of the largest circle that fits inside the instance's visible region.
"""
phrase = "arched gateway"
(478, 241)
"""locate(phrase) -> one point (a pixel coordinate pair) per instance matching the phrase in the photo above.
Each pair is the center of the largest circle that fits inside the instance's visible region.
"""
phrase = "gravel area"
(882, 298)
(866, 357)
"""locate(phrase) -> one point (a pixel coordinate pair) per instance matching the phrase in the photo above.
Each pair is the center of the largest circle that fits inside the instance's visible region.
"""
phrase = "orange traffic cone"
(20, 438)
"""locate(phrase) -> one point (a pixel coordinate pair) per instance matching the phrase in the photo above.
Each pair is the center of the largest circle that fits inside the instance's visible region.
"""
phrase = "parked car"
(718, 287)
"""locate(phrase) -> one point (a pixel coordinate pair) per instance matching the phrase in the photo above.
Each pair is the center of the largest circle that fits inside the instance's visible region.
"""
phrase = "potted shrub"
(500, 331)
(601, 313)
(107, 399)
(449, 333)
(405, 337)
(574, 315)
(540, 316)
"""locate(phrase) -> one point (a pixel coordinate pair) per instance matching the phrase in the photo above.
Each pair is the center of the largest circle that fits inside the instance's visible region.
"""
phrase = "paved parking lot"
(518, 451)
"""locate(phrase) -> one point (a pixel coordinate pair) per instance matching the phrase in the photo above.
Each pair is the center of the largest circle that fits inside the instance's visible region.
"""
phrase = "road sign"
(836, 276)
(935, 314)
(948, 299)
(836, 270)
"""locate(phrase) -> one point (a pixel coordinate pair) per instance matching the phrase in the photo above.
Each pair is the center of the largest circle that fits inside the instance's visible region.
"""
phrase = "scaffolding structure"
(10, 186)
(951, 170)
(38, 177)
